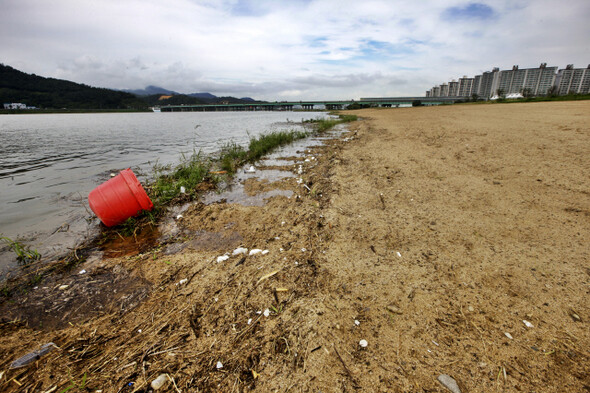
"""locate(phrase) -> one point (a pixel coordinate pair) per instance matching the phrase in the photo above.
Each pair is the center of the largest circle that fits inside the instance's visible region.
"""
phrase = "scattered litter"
(240, 250)
(159, 382)
(267, 276)
(434, 342)
(299, 181)
(574, 315)
(33, 356)
(182, 190)
(139, 330)
(255, 375)
(250, 170)
(266, 312)
(363, 343)
(307, 160)
(178, 217)
(255, 251)
(83, 271)
(219, 365)
(357, 322)
(249, 321)
(183, 281)
(223, 258)
(113, 175)
(393, 309)
(471, 309)
(283, 223)
(508, 335)
(527, 323)
(303, 249)
(281, 249)
(399, 254)
(300, 170)
(448, 382)
(265, 252)
(62, 287)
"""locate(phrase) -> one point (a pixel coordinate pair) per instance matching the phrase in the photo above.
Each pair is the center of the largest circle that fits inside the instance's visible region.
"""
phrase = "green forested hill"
(50, 93)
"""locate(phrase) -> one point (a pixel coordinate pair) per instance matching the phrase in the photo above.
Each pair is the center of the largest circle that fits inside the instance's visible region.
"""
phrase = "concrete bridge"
(309, 105)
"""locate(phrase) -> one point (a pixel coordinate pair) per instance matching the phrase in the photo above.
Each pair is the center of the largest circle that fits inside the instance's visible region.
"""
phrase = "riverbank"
(429, 233)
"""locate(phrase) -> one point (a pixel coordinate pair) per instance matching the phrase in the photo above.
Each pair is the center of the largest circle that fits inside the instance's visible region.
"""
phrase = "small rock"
(448, 382)
(159, 382)
(363, 343)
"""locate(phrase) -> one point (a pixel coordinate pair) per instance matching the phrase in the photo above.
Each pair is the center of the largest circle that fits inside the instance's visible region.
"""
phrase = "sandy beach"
(428, 241)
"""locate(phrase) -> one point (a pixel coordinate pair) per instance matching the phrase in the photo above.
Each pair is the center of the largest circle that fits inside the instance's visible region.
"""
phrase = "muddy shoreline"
(415, 246)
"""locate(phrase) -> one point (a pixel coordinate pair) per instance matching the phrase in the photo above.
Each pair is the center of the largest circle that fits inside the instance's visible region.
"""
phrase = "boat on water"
(156, 109)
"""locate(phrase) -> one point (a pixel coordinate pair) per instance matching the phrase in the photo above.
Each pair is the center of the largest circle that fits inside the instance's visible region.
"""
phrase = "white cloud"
(297, 49)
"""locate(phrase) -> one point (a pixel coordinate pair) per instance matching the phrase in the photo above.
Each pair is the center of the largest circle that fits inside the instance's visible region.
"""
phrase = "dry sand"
(431, 233)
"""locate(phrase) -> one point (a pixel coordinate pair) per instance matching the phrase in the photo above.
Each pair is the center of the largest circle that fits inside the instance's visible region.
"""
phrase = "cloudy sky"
(288, 50)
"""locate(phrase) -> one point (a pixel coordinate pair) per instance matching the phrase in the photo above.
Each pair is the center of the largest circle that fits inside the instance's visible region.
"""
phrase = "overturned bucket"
(119, 198)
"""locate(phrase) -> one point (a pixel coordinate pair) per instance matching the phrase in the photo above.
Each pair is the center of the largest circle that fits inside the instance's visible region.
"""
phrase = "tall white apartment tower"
(573, 80)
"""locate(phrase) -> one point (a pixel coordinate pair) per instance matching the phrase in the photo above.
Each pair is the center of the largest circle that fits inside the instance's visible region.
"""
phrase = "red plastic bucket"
(119, 198)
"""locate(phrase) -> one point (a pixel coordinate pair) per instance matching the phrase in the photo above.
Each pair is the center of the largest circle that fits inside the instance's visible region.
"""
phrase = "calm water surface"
(49, 163)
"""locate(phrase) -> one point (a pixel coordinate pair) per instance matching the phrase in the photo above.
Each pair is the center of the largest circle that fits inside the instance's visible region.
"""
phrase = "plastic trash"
(527, 323)
(222, 258)
(33, 356)
(240, 250)
(119, 198)
(449, 382)
(250, 170)
(159, 382)
(255, 251)
(363, 343)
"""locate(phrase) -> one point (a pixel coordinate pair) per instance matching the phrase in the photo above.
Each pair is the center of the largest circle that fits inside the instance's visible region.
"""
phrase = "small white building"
(15, 105)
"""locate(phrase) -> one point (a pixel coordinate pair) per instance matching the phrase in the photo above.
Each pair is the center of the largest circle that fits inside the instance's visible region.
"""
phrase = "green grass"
(24, 254)
(167, 185)
(323, 125)
(232, 155)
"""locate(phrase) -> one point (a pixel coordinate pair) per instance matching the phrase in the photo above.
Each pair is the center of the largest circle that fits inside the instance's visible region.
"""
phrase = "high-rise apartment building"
(573, 80)
(534, 81)
(465, 87)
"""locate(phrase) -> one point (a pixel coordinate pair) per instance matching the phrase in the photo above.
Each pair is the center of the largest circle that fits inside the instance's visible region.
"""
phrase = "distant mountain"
(248, 99)
(204, 96)
(50, 93)
(151, 90)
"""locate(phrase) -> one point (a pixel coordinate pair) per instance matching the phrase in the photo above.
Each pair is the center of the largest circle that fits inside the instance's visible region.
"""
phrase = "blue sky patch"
(477, 11)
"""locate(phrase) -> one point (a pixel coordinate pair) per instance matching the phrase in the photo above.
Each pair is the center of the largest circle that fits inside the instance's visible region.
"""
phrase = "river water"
(50, 162)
